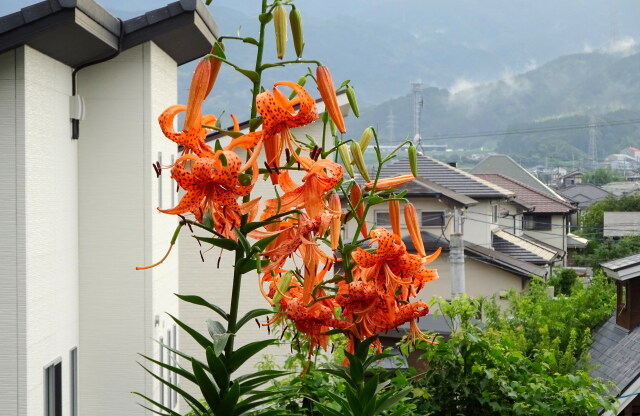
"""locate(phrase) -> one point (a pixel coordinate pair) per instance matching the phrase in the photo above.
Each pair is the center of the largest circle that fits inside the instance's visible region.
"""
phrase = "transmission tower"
(391, 127)
(417, 115)
(593, 146)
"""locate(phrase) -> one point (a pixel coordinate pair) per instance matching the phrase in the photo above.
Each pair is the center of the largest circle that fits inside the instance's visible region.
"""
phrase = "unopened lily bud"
(359, 161)
(217, 49)
(355, 195)
(343, 150)
(197, 94)
(367, 134)
(332, 126)
(295, 18)
(411, 220)
(413, 159)
(336, 212)
(394, 216)
(280, 26)
(283, 286)
(351, 96)
(328, 94)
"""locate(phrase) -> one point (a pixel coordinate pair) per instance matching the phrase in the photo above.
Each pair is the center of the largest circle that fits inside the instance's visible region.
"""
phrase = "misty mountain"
(539, 113)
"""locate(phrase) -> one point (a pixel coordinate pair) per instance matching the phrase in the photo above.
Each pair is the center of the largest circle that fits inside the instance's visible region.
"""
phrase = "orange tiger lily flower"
(279, 116)
(193, 134)
(212, 185)
(389, 183)
(355, 197)
(394, 216)
(321, 178)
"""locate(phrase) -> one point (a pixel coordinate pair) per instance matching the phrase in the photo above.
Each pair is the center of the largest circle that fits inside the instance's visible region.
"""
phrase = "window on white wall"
(73, 381)
(432, 218)
(382, 219)
(53, 389)
(536, 222)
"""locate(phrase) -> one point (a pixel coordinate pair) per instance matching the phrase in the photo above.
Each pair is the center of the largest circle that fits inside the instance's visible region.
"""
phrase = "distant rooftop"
(541, 201)
(448, 177)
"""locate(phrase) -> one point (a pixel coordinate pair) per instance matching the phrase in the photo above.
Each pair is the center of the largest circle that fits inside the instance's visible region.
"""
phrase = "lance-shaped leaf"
(197, 300)
(187, 397)
(243, 353)
(198, 337)
(208, 389)
(252, 314)
(219, 335)
(225, 243)
(217, 369)
(179, 371)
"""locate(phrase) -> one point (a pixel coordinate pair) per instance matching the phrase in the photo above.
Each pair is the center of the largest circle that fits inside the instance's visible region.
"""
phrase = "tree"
(601, 176)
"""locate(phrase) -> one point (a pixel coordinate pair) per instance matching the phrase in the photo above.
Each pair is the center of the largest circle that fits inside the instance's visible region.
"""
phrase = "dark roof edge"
(184, 29)
(519, 267)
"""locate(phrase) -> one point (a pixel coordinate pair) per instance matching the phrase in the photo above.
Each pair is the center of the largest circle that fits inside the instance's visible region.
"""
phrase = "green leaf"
(254, 123)
(230, 133)
(217, 368)
(242, 354)
(255, 379)
(243, 240)
(179, 371)
(248, 227)
(207, 220)
(252, 75)
(229, 401)
(265, 18)
(246, 265)
(389, 399)
(251, 315)
(180, 353)
(251, 41)
(187, 397)
(225, 243)
(327, 411)
(208, 389)
(261, 244)
(166, 409)
(219, 336)
(375, 200)
(198, 337)
(355, 368)
(197, 300)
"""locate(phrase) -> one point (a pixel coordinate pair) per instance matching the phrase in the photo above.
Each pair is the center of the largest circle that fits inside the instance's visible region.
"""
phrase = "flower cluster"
(362, 288)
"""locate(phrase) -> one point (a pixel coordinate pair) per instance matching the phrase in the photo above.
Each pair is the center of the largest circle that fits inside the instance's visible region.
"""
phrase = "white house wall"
(120, 227)
(41, 221)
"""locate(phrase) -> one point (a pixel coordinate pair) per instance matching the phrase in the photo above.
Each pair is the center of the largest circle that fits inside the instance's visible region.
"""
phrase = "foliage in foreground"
(532, 360)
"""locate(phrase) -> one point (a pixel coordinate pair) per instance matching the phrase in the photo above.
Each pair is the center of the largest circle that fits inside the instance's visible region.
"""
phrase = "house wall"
(481, 279)
(478, 223)
(41, 283)
(556, 236)
(511, 219)
(120, 227)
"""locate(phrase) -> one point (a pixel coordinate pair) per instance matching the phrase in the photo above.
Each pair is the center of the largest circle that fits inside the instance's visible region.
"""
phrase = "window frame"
(52, 386)
(541, 222)
(439, 214)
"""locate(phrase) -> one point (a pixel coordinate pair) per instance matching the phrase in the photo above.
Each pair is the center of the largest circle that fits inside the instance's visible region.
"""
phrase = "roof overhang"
(76, 32)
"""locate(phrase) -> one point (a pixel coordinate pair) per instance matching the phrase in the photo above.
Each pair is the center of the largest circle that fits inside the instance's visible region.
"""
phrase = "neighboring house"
(546, 223)
(632, 152)
(79, 215)
(622, 163)
(620, 224)
(615, 349)
(439, 190)
(622, 188)
(504, 165)
(570, 179)
(584, 194)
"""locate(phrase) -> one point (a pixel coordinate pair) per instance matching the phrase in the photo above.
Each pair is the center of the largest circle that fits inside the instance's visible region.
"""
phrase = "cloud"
(462, 84)
(623, 46)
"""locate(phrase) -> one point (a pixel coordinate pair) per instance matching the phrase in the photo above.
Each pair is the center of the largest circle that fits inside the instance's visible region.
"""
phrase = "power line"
(530, 130)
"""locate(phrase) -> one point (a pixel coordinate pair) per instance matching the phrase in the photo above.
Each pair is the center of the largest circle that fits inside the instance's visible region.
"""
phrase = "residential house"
(622, 188)
(438, 192)
(80, 92)
(582, 196)
(621, 224)
(570, 179)
(622, 163)
(545, 223)
(504, 165)
(615, 349)
(634, 152)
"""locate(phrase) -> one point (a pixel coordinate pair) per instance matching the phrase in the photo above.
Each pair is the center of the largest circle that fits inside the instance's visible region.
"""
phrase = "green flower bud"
(367, 134)
(343, 150)
(359, 161)
(351, 96)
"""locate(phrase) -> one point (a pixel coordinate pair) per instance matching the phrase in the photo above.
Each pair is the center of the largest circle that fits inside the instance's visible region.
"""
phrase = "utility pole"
(456, 256)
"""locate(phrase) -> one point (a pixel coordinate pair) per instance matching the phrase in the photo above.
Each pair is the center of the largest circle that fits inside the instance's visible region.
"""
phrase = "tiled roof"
(522, 249)
(584, 194)
(623, 263)
(543, 202)
(449, 177)
(504, 165)
(616, 352)
(486, 255)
